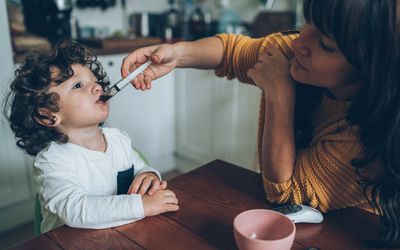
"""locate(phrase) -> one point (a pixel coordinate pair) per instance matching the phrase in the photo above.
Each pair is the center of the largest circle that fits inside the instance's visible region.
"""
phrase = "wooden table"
(210, 197)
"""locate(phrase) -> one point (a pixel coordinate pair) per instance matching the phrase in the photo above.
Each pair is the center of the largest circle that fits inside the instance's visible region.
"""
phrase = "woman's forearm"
(278, 148)
(205, 53)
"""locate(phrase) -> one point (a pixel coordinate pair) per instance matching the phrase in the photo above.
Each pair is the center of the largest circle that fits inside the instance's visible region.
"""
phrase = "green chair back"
(142, 157)
(38, 217)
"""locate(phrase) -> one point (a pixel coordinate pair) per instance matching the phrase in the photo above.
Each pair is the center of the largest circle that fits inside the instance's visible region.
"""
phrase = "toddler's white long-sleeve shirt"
(78, 187)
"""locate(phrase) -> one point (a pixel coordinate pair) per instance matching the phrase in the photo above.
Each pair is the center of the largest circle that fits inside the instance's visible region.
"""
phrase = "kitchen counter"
(98, 47)
(118, 45)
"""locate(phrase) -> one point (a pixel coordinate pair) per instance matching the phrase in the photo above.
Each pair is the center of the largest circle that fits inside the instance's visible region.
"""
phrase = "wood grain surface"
(210, 197)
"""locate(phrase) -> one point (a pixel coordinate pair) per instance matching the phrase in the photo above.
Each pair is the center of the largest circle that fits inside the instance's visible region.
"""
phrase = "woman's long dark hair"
(368, 34)
(29, 93)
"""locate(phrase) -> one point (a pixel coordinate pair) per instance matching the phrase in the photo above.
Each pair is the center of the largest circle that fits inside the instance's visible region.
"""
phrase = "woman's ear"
(46, 118)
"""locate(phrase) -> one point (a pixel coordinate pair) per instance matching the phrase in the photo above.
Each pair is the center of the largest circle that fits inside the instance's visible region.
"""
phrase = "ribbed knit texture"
(323, 176)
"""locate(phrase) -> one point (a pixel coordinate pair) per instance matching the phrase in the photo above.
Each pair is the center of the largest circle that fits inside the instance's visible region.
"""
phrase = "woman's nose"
(300, 48)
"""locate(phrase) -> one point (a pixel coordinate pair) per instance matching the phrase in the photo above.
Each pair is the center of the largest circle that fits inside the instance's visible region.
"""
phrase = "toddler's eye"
(77, 85)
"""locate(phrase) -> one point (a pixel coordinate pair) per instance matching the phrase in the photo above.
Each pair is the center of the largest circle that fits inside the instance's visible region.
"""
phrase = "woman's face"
(319, 62)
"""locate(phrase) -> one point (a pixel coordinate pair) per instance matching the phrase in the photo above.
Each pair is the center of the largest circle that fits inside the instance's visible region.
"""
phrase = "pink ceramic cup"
(258, 229)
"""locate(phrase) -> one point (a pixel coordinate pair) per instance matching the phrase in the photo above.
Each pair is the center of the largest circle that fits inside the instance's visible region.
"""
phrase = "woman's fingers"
(136, 83)
(129, 63)
(140, 77)
(147, 81)
(155, 58)
(161, 54)
(136, 58)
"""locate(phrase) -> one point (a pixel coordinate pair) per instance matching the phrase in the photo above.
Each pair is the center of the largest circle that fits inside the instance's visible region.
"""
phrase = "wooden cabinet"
(216, 118)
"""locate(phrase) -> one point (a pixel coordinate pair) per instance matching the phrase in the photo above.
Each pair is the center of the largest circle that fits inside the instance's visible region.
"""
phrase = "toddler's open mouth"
(104, 98)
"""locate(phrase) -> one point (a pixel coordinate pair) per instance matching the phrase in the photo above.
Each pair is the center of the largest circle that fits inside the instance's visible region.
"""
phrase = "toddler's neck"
(92, 139)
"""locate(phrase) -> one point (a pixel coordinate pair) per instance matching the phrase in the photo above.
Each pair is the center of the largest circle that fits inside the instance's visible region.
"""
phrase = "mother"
(329, 132)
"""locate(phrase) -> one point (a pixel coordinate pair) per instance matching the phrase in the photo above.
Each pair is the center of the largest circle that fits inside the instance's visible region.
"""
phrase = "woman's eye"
(324, 47)
(77, 85)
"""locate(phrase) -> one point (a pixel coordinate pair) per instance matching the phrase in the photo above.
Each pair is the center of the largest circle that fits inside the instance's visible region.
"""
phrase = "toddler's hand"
(146, 182)
(160, 202)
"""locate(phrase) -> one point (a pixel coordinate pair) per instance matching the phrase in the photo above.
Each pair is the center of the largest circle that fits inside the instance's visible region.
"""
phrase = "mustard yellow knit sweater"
(323, 176)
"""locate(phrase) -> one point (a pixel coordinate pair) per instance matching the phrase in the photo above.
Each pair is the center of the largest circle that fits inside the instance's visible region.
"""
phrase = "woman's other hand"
(164, 58)
(271, 73)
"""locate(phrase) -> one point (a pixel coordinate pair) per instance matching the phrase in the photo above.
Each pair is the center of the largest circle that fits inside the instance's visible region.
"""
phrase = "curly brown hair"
(29, 93)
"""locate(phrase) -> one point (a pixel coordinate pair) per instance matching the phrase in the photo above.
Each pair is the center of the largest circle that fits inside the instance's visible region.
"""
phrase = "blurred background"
(115, 24)
(190, 117)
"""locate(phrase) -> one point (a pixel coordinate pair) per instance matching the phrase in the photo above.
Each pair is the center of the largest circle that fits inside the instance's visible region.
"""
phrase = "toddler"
(85, 175)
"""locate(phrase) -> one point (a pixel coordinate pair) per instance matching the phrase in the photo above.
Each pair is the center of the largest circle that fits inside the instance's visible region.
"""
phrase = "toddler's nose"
(97, 87)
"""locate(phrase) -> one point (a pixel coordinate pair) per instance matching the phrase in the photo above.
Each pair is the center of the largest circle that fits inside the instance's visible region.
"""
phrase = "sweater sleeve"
(241, 53)
(323, 176)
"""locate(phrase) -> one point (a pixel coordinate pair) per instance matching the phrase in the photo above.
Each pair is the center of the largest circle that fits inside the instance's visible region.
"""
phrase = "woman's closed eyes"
(325, 47)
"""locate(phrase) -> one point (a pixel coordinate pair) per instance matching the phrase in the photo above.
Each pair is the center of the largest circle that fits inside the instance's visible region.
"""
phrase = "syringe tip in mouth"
(113, 90)
(105, 98)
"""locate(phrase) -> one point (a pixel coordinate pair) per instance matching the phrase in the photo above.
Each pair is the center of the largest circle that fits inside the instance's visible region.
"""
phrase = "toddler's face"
(79, 102)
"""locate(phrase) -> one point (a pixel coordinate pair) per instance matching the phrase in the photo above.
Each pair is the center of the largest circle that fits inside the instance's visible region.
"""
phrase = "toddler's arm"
(61, 194)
